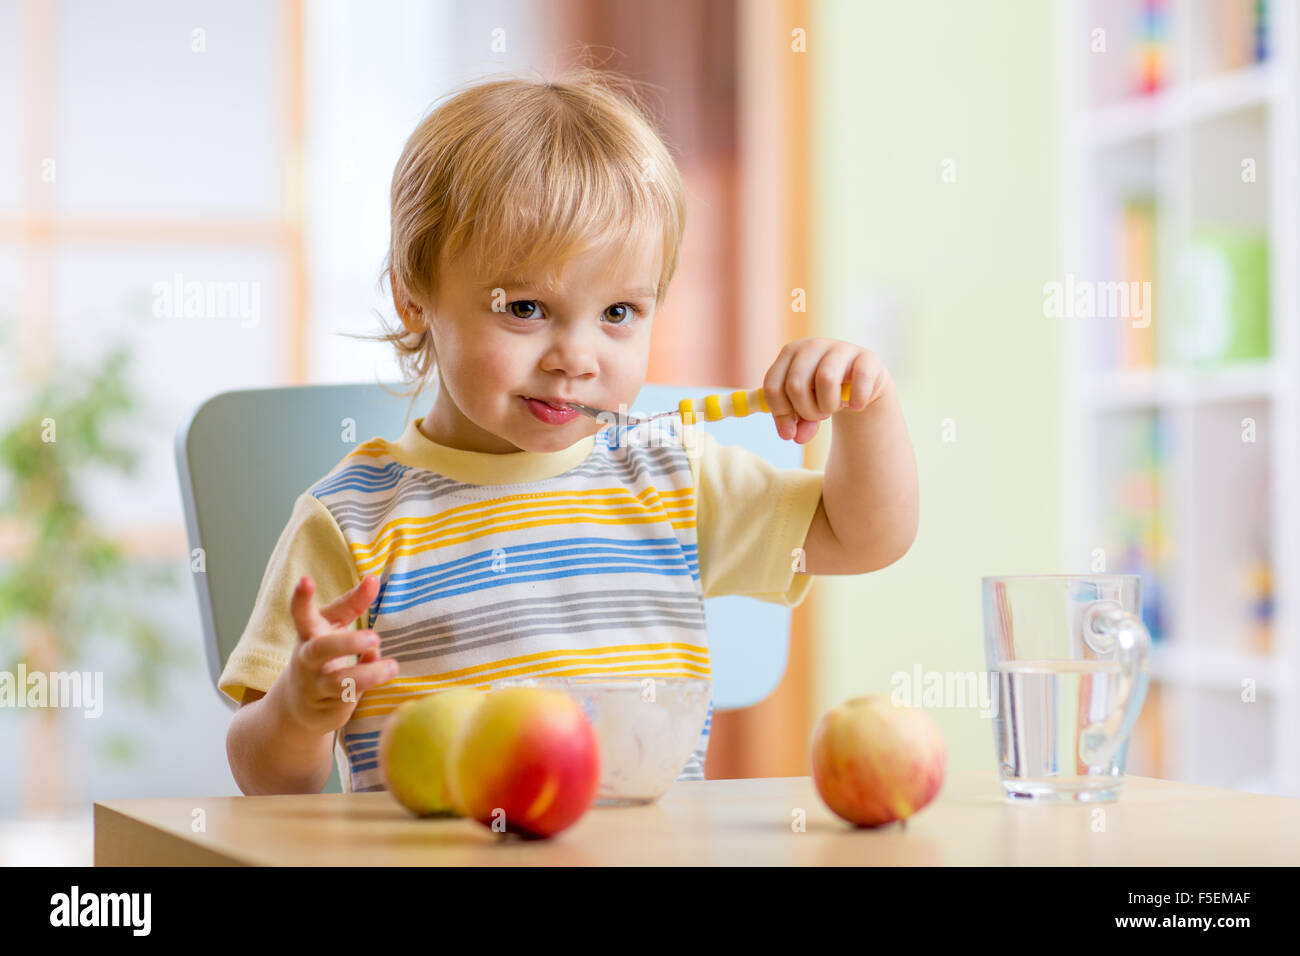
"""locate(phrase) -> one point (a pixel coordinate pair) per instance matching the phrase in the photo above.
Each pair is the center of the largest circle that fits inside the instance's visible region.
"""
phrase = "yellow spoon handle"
(735, 404)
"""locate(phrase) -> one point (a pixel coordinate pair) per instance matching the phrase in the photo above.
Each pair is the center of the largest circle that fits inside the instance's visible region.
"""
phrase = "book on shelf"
(1219, 311)
(1223, 300)
(1122, 306)
(1137, 243)
(1240, 30)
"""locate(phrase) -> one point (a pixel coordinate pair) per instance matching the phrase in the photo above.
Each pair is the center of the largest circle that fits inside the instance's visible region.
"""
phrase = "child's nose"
(572, 354)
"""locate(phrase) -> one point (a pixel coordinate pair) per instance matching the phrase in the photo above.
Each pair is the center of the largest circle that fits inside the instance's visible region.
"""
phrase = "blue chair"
(290, 437)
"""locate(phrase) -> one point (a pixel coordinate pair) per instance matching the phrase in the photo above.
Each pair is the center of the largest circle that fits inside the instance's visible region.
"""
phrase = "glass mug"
(1070, 656)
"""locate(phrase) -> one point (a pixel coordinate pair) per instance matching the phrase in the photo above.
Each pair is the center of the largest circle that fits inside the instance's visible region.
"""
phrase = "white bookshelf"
(1221, 499)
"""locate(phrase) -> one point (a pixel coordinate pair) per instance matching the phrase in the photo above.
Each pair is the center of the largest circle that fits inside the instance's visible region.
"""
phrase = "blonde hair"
(517, 172)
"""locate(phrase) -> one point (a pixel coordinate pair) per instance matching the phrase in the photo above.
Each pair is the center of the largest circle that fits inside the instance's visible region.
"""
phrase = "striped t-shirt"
(590, 560)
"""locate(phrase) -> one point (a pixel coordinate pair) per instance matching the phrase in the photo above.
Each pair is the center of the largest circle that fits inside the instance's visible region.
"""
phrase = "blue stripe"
(549, 548)
(645, 554)
(362, 747)
(482, 571)
(545, 549)
(491, 580)
(405, 583)
(362, 478)
(566, 541)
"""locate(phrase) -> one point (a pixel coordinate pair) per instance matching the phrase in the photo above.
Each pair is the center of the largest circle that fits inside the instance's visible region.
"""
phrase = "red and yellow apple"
(874, 762)
(415, 744)
(527, 762)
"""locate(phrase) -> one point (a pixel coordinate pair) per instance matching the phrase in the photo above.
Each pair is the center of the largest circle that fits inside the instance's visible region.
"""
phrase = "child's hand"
(312, 685)
(804, 383)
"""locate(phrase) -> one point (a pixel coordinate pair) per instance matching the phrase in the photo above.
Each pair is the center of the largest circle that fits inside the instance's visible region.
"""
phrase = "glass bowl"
(647, 728)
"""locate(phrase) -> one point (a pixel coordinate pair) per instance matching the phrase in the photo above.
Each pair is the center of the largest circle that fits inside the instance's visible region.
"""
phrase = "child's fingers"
(324, 648)
(860, 382)
(364, 675)
(799, 382)
(367, 656)
(774, 394)
(350, 606)
(338, 663)
(306, 619)
(828, 382)
(805, 431)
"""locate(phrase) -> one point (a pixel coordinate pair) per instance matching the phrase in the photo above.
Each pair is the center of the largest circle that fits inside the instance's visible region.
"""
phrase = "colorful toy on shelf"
(1261, 30)
(1257, 587)
(1134, 562)
(1151, 46)
(1136, 518)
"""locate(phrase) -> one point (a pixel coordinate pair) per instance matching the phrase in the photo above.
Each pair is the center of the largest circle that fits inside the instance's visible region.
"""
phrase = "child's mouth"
(548, 413)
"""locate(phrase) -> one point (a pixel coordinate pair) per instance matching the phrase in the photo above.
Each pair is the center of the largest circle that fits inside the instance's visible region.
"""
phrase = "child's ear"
(408, 310)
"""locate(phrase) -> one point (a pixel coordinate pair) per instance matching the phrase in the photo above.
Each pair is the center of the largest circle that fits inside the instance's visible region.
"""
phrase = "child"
(535, 229)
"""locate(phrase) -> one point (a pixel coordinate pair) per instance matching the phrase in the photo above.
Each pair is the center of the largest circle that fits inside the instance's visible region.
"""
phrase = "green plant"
(67, 580)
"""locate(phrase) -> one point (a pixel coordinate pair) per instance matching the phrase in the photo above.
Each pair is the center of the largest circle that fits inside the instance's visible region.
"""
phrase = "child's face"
(587, 341)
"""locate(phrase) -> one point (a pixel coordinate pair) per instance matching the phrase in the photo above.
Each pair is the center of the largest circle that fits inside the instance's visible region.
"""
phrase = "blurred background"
(1070, 230)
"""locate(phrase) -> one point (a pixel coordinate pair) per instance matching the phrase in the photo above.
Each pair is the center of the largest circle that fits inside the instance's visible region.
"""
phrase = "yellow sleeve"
(750, 515)
(311, 543)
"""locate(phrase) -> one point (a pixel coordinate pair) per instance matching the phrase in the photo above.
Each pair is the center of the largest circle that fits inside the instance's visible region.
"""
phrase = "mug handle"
(1107, 626)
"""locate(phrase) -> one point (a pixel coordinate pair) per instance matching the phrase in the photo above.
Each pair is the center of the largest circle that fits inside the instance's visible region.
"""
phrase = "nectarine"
(874, 763)
(415, 744)
(528, 762)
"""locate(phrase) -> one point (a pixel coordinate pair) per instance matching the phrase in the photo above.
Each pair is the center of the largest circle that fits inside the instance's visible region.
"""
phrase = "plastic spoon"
(735, 404)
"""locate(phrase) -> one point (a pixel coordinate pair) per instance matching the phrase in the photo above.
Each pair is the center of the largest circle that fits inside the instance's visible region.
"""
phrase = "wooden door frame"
(771, 739)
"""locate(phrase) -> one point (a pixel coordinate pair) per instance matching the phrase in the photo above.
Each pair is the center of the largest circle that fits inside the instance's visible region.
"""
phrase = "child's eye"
(527, 309)
(628, 309)
(532, 306)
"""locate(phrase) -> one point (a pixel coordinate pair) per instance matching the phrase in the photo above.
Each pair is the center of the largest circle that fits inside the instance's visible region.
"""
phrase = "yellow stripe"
(712, 408)
(472, 521)
(375, 448)
(762, 401)
(522, 666)
(518, 664)
(504, 519)
(365, 708)
(740, 401)
(404, 546)
(506, 503)
(682, 657)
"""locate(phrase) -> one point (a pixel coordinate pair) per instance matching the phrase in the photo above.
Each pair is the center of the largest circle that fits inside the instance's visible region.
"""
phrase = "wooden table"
(719, 822)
